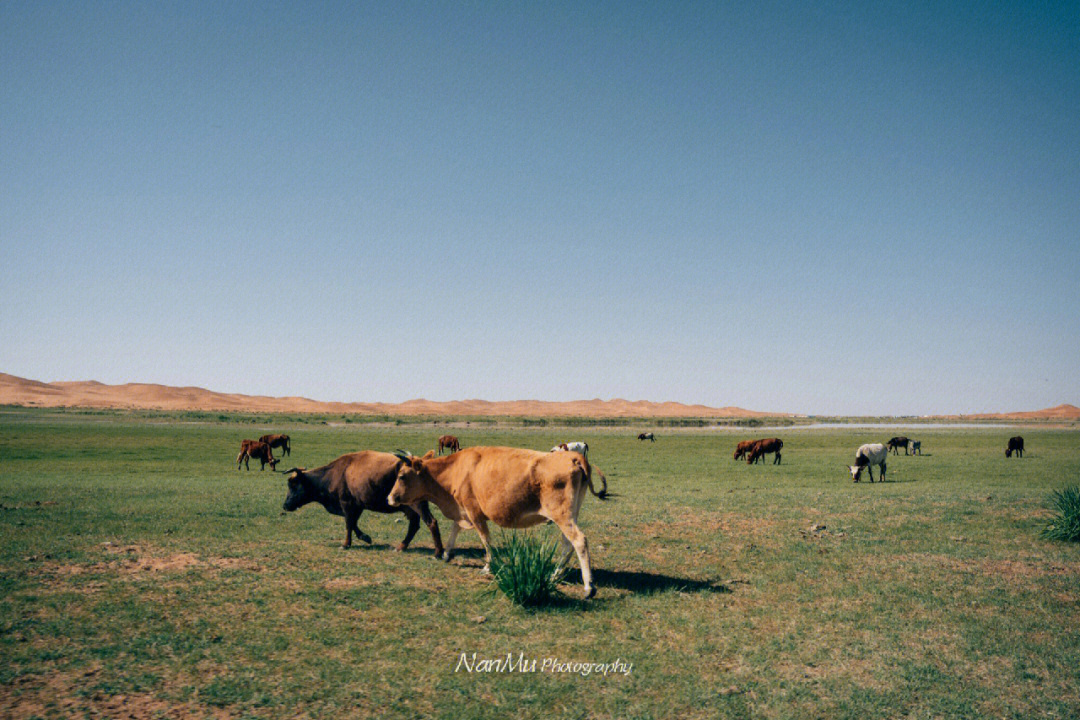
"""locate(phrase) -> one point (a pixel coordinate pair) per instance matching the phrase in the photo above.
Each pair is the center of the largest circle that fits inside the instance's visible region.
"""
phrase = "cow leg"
(482, 530)
(454, 530)
(870, 472)
(777, 460)
(881, 477)
(433, 526)
(414, 525)
(576, 538)
(352, 516)
(239, 459)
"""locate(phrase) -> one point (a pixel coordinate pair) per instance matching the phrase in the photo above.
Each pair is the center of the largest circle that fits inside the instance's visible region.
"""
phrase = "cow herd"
(510, 487)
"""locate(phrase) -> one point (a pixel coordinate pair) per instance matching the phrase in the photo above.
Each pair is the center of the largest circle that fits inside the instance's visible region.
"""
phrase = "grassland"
(143, 576)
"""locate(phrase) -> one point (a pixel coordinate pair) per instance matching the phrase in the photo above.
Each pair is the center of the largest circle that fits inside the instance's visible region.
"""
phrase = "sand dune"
(144, 396)
(1061, 412)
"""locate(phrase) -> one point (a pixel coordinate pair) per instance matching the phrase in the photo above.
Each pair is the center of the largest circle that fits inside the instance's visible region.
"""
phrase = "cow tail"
(587, 469)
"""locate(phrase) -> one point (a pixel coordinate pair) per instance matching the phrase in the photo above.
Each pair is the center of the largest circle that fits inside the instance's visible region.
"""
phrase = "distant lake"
(876, 426)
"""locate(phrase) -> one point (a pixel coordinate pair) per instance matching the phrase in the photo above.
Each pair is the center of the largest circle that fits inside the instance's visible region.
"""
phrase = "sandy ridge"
(146, 396)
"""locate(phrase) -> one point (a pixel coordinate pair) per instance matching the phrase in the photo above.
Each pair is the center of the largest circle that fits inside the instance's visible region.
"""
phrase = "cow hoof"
(589, 592)
(399, 548)
(486, 570)
(447, 557)
(346, 547)
(366, 539)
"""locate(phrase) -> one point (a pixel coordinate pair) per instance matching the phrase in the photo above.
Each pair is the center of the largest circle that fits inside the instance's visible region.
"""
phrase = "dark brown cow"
(450, 443)
(255, 450)
(743, 447)
(1016, 445)
(768, 445)
(277, 441)
(354, 483)
(895, 443)
(512, 487)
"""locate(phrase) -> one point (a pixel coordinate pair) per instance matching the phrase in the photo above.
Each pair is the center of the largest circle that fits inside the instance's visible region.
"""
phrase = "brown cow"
(253, 449)
(768, 445)
(354, 483)
(895, 443)
(743, 447)
(277, 441)
(513, 487)
(450, 443)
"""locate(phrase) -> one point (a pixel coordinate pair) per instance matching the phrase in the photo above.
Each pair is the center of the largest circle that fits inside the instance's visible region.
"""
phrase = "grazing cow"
(450, 443)
(897, 442)
(647, 436)
(255, 450)
(353, 483)
(513, 487)
(760, 447)
(744, 447)
(1016, 445)
(578, 447)
(867, 455)
(915, 446)
(277, 441)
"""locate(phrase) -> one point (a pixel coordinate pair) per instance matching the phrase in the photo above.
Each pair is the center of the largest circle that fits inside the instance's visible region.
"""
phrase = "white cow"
(578, 447)
(867, 455)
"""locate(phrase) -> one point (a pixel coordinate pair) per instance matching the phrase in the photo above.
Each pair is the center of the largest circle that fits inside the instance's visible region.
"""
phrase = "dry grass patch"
(64, 694)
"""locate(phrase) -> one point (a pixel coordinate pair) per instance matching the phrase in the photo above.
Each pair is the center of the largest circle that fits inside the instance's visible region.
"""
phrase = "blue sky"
(800, 207)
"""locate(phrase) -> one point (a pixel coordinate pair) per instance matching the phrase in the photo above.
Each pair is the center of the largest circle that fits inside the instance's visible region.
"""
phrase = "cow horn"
(290, 471)
(403, 454)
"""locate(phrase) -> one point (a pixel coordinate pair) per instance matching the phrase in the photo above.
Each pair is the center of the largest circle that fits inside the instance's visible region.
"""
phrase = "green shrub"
(524, 568)
(1066, 506)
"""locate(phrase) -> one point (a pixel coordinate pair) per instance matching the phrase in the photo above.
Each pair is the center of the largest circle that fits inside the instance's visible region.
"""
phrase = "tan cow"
(513, 487)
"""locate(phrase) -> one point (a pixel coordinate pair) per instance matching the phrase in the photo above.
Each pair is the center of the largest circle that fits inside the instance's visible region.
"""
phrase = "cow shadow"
(421, 549)
(646, 583)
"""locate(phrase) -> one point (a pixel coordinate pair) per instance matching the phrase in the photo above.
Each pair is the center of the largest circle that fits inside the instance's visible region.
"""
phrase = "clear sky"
(866, 208)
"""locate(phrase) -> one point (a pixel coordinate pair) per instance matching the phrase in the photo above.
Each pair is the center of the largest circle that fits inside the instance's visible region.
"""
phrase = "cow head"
(1008, 452)
(856, 471)
(300, 491)
(411, 480)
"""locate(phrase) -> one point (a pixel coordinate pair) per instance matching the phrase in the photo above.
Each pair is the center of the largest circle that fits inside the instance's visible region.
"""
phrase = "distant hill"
(1061, 412)
(143, 396)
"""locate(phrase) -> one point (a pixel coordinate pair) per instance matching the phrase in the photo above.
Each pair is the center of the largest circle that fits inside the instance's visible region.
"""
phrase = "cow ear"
(428, 455)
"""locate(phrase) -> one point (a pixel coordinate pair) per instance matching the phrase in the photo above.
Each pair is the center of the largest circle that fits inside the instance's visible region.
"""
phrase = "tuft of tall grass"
(524, 567)
(1066, 523)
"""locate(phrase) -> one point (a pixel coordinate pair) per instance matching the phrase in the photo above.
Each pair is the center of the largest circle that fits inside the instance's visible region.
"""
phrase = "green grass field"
(144, 577)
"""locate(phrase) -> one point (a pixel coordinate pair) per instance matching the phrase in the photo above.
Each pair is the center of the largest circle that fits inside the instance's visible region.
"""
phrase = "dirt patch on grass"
(138, 560)
(993, 567)
(62, 695)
